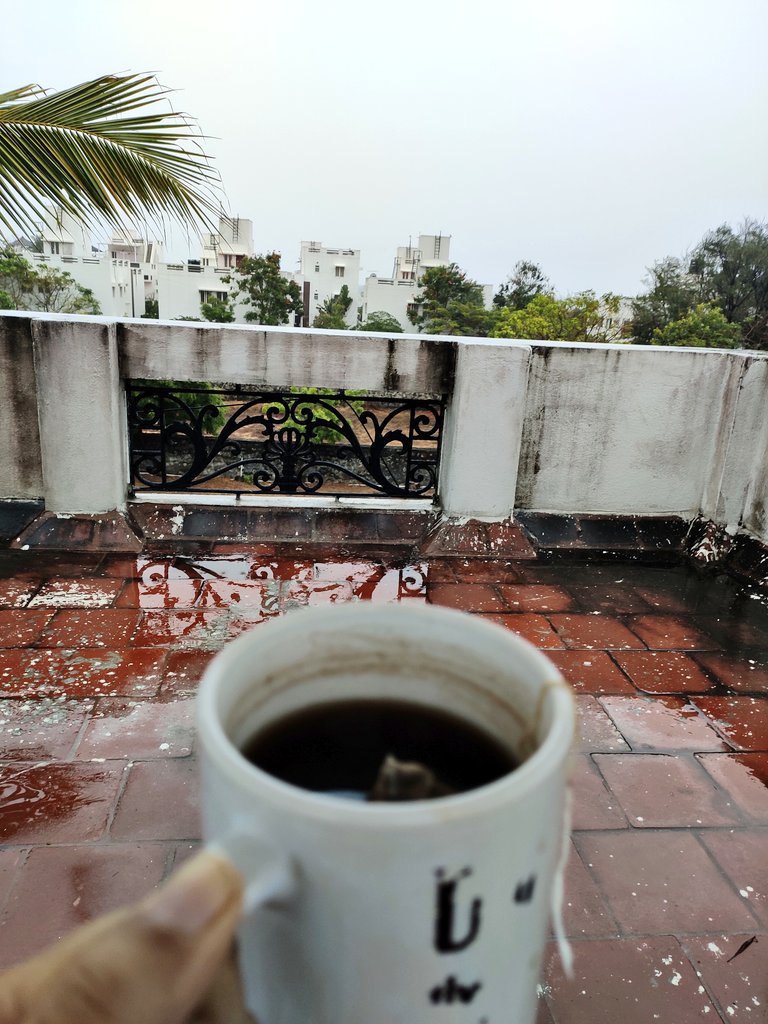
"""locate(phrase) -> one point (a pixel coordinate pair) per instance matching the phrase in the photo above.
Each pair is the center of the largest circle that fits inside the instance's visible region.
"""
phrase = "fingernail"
(195, 895)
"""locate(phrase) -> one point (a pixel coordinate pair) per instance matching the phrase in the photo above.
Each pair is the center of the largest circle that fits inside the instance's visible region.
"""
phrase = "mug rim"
(219, 748)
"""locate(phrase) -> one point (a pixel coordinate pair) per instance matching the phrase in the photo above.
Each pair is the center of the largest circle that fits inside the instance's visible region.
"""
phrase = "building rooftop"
(100, 657)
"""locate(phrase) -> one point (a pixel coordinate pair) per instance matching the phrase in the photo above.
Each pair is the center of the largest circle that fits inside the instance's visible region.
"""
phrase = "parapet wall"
(534, 426)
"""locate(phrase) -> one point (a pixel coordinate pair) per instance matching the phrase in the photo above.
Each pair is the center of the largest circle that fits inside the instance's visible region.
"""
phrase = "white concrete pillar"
(81, 411)
(483, 430)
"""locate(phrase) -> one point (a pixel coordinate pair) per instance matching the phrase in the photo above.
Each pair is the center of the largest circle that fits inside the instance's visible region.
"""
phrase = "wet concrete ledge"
(163, 528)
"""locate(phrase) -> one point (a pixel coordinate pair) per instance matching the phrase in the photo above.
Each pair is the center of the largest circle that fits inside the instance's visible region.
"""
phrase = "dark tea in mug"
(379, 750)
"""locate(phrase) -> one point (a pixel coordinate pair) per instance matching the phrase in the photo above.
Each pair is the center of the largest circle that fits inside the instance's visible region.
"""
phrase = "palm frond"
(95, 152)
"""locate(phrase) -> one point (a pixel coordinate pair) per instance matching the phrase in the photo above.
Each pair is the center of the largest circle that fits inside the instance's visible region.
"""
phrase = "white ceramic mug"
(389, 913)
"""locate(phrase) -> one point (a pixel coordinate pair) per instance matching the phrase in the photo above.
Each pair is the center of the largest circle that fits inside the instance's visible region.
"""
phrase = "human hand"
(165, 960)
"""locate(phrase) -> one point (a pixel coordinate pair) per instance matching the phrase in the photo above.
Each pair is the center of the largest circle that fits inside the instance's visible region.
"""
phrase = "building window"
(412, 308)
(316, 295)
(408, 275)
(339, 271)
(317, 268)
(54, 248)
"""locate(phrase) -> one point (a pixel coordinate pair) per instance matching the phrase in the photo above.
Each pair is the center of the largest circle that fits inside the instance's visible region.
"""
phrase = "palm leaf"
(96, 152)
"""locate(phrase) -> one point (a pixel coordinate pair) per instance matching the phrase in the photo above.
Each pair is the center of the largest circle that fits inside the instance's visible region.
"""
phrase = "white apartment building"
(121, 279)
(183, 287)
(131, 270)
(395, 295)
(322, 273)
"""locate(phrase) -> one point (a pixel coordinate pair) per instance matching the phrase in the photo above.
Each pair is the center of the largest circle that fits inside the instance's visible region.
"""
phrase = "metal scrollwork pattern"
(189, 437)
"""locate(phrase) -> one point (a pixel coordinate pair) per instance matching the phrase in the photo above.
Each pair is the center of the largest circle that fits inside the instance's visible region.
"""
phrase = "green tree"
(449, 303)
(96, 152)
(526, 281)
(672, 293)
(45, 289)
(151, 310)
(727, 269)
(705, 326)
(219, 311)
(582, 317)
(332, 311)
(463, 319)
(258, 283)
(381, 322)
(731, 269)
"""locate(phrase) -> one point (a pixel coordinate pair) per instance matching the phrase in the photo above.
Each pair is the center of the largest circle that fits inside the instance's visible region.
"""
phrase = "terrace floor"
(667, 886)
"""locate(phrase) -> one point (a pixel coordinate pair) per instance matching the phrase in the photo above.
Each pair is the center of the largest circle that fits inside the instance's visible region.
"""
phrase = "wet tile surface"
(653, 883)
(661, 723)
(100, 658)
(737, 982)
(627, 981)
(666, 791)
(595, 632)
(663, 671)
(62, 887)
(592, 672)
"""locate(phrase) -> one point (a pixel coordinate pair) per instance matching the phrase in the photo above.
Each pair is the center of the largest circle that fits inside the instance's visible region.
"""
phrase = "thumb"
(152, 962)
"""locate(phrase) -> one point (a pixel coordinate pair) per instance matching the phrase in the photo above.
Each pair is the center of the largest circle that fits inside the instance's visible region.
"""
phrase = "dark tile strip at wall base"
(546, 537)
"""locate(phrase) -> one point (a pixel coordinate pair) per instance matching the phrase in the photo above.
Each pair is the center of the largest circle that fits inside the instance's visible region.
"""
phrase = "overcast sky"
(591, 136)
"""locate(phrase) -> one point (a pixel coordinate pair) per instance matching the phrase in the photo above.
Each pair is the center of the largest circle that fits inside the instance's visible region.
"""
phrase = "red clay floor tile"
(661, 883)
(745, 674)
(10, 862)
(663, 671)
(168, 594)
(744, 777)
(664, 600)
(596, 730)
(299, 595)
(666, 791)
(160, 801)
(614, 598)
(21, 627)
(90, 627)
(531, 597)
(236, 594)
(661, 723)
(736, 982)
(62, 887)
(585, 913)
(394, 585)
(591, 672)
(87, 672)
(183, 672)
(335, 572)
(40, 730)
(16, 592)
(138, 729)
(593, 806)
(671, 633)
(467, 597)
(87, 592)
(481, 570)
(533, 628)
(193, 629)
(56, 803)
(632, 981)
(743, 856)
(743, 721)
(594, 632)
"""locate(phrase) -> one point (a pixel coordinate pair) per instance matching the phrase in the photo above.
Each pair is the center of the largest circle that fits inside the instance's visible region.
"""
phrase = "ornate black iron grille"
(235, 440)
